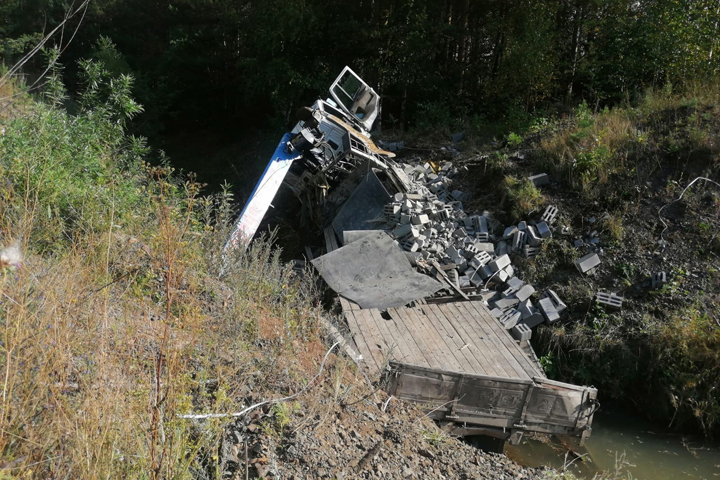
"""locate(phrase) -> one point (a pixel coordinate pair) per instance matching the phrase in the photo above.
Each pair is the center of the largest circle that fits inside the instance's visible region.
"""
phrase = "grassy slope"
(661, 354)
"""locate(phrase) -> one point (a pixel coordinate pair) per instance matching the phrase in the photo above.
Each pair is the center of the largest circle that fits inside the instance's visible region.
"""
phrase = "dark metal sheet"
(374, 273)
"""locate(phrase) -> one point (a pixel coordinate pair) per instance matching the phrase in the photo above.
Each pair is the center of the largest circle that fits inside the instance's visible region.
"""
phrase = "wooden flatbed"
(466, 370)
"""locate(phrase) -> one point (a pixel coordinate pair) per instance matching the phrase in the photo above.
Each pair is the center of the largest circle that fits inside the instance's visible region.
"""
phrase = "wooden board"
(460, 337)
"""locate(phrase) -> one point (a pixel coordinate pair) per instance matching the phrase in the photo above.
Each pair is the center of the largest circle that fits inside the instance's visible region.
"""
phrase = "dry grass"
(118, 320)
(523, 197)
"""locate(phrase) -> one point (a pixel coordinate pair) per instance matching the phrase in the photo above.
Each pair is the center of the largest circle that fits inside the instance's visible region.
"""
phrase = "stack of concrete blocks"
(430, 224)
(609, 301)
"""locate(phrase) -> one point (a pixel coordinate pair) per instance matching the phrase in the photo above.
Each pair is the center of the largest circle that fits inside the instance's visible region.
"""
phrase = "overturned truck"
(433, 308)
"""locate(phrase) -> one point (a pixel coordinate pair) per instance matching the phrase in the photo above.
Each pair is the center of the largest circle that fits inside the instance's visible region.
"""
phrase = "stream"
(625, 444)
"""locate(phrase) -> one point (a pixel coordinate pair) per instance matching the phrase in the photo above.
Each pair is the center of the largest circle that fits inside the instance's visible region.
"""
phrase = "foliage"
(522, 195)
(247, 64)
(106, 334)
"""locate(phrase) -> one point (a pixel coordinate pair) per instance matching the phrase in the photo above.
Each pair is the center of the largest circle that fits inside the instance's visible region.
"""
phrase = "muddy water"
(622, 442)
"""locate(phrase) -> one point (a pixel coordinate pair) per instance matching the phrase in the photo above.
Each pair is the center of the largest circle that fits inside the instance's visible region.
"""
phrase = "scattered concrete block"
(510, 231)
(470, 251)
(588, 262)
(515, 283)
(409, 245)
(420, 219)
(485, 247)
(521, 332)
(460, 233)
(530, 252)
(497, 313)
(464, 281)
(524, 293)
(499, 263)
(533, 237)
(543, 230)
(510, 272)
(502, 276)
(578, 243)
(453, 276)
(522, 225)
(482, 236)
(557, 303)
(533, 320)
(509, 319)
(609, 301)
(485, 272)
(548, 311)
(658, 280)
(501, 249)
(505, 303)
(483, 258)
(549, 215)
(539, 180)
(518, 241)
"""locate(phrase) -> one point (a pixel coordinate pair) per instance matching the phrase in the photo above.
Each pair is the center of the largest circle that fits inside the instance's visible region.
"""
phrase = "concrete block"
(460, 233)
(532, 236)
(543, 230)
(404, 230)
(409, 245)
(420, 219)
(609, 301)
(499, 263)
(658, 280)
(464, 281)
(453, 276)
(518, 241)
(525, 308)
(548, 311)
(509, 319)
(540, 179)
(525, 292)
(521, 332)
(483, 257)
(504, 303)
(515, 284)
(497, 313)
(510, 271)
(557, 303)
(533, 320)
(578, 243)
(485, 247)
(502, 276)
(485, 272)
(588, 262)
(510, 231)
(482, 236)
(476, 278)
(549, 215)
(530, 252)
(470, 251)
(522, 225)
(501, 249)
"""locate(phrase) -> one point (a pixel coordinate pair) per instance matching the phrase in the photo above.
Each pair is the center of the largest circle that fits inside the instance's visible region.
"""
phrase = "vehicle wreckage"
(430, 297)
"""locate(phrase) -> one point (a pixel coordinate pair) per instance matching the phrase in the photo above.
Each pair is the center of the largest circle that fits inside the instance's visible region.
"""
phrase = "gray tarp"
(374, 273)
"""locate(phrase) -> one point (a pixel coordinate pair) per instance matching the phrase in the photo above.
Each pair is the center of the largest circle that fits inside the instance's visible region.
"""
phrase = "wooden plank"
(423, 349)
(452, 342)
(403, 341)
(462, 339)
(444, 358)
(348, 304)
(373, 337)
(359, 339)
(444, 276)
(512, 349)
(393, 347)
(477, 346)
(499, 351)
(409, 340)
